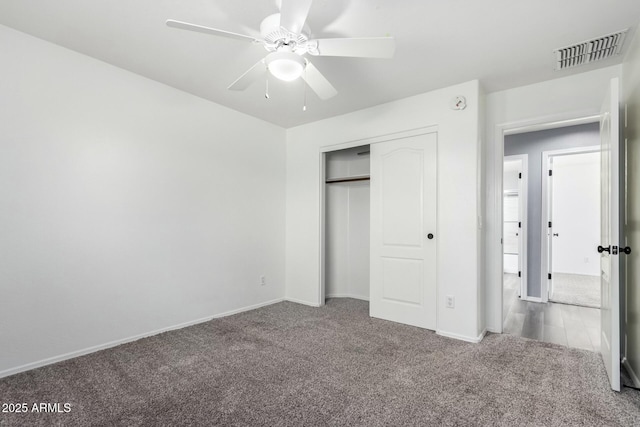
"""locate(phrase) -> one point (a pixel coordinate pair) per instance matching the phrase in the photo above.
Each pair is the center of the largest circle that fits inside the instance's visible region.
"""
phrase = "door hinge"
(549, 224)
(549, 276)
(519, 224)
(520, 175)
(550, 172)
(519, 273)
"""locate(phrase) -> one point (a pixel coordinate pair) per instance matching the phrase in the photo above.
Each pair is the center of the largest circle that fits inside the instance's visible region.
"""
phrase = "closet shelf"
(348, 179)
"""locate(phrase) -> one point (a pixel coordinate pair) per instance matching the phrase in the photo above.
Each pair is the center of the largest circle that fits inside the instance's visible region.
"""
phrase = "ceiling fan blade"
(293, 14)
(200, 29)
(365, 47)
(318, 83)
(252, 74)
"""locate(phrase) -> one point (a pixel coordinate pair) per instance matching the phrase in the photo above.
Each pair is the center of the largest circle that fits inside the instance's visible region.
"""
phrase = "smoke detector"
(590, 51)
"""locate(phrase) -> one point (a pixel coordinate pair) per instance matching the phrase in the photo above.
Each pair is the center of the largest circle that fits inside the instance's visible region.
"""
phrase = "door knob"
(601, 249)
(430, 236)
(556, 234)
(626, 250)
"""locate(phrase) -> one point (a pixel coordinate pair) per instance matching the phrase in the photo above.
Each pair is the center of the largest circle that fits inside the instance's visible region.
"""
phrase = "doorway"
(608, 132)
(533, 315)
(573, 226)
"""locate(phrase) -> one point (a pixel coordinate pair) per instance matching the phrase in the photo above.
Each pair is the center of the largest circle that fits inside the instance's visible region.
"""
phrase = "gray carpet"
(289, 364)
(576, 289)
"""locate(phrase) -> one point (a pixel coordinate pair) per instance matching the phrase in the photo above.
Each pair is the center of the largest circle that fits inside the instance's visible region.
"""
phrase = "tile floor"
(569, 325)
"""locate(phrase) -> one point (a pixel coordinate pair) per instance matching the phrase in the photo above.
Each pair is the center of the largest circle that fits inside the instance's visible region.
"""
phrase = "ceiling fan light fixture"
(288, 37)
(286, 66)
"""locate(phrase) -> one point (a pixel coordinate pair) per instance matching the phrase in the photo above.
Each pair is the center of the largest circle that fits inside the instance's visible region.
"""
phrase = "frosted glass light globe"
(285, 66)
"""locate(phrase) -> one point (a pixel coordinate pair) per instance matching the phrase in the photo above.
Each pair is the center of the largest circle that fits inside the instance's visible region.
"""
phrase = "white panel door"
(550, 232)
(610, 311)
(403, 230)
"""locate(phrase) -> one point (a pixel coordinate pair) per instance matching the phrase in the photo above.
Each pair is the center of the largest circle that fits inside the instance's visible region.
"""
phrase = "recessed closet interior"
(347, 195)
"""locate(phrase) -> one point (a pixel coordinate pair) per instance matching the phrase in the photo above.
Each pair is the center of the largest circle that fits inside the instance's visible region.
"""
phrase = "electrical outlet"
(450, 301)
(263, 281)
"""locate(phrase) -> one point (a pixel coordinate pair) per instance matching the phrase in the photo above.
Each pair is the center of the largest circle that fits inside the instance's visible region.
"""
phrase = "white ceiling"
(503, 43)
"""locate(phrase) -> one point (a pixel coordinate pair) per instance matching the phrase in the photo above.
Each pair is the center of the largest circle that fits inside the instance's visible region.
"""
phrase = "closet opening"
(346, 223)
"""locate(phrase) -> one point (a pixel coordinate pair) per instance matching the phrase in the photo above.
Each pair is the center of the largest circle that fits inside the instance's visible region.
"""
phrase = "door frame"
(546, 216)
(523, 198)
(500, 131)
(323, 165)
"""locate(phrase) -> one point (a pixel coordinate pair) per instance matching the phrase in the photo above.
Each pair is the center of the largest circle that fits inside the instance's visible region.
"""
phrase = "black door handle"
(626, 250)
(556, 234)
(601, 249)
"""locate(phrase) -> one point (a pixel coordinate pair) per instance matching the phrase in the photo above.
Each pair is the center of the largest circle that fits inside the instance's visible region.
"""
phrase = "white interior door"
(522, 225)
(550, 232)
(610, 312)
(403, 230)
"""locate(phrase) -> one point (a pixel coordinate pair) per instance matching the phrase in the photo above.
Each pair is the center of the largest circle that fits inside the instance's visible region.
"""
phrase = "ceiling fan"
(287, 37)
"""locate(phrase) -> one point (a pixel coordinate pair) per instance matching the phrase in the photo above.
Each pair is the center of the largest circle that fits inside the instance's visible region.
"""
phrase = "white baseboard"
(299, 301)
(632, 374)
(474, 340)
(93, 349)
(247, 308)
(360, 297)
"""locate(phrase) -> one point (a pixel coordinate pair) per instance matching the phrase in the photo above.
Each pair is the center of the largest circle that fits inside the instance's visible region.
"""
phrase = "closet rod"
(355, 178)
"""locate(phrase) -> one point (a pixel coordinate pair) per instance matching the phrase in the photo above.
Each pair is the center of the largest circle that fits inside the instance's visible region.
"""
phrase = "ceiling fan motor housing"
(278, 38)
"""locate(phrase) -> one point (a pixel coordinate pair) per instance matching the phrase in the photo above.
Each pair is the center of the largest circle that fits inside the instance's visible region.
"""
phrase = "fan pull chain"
(304, 83)
(266, 90)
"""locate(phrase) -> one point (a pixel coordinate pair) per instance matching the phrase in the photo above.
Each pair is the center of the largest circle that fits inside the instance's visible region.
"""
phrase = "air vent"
(590, 51)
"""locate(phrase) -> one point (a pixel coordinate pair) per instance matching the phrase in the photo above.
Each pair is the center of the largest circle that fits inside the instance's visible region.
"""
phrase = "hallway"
(568, 325)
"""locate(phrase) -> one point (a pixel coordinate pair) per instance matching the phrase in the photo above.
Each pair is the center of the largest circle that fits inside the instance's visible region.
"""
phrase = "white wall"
(560, 99)
(458, 186)
(359, 235)
(631, 129)
(337, 239)
(126, 206)
(347, 240)
(576, 214)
